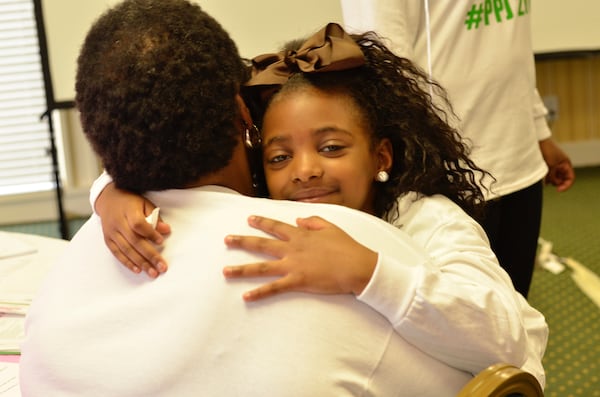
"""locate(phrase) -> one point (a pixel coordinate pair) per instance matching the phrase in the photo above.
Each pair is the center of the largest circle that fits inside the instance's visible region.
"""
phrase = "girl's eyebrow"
(326, 129)
(277, 139)
(317, 132)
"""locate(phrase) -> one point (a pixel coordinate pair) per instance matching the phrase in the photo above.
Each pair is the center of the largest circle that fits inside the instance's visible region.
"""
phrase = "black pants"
(512, 223)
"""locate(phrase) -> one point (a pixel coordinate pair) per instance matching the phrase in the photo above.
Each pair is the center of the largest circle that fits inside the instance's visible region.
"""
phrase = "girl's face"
(317, 149)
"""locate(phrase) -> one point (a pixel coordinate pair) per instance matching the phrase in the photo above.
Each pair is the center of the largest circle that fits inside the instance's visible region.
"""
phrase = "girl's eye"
(331, 148)
(278, 159)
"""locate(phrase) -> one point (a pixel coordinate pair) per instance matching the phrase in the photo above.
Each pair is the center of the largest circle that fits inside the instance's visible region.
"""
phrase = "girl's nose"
(306, 167)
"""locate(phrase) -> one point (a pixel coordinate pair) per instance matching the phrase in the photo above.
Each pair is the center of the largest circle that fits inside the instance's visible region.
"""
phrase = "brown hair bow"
(330, 49)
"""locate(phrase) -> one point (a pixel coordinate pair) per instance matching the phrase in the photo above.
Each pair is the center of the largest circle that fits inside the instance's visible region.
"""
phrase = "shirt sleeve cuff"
(97, 187)
(392, 287)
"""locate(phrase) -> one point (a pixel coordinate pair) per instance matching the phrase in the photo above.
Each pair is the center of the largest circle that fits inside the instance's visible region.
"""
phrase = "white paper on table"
(11, 245)
(9, 380)
(21, 276)
(12, 332)
(14, 305)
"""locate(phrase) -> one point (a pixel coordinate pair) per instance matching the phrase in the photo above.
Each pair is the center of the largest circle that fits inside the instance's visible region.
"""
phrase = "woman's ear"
(244, 112)
(385, 155)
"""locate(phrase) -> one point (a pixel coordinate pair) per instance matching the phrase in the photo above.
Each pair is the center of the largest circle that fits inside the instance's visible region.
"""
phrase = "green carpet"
(571, 221)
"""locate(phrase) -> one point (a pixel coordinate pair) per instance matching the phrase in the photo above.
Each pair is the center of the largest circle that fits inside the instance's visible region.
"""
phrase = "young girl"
(409, 150)
(345, 121)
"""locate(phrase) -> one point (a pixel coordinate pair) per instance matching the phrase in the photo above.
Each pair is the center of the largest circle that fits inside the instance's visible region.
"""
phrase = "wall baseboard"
(583, 153)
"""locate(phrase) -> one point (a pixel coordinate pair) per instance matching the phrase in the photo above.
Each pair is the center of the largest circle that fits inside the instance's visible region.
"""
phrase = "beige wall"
(263, 25)
(559, 25)
(257, 26)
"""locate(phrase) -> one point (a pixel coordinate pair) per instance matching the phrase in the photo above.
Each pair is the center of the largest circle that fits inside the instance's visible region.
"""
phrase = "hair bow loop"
(330, 49)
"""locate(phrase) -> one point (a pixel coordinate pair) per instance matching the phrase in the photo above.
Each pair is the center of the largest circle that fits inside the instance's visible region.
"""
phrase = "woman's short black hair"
(156, 85)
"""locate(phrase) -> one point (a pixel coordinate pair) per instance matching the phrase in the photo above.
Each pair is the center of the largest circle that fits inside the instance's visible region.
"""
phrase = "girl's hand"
(316, 256)
(130, 238)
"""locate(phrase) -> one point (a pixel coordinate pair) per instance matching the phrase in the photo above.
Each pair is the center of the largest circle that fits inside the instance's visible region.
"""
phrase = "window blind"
(25, 161)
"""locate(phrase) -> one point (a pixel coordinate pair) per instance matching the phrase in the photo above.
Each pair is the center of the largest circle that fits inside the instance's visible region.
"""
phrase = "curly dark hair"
(430, 156)
(156, 85)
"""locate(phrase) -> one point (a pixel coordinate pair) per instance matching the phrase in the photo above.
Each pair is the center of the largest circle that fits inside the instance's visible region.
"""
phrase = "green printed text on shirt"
(486, 12)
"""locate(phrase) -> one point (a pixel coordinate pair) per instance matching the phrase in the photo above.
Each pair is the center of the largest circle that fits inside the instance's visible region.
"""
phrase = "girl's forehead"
(301, 93)
(309, 99)
(312, 115)
(310, 104)
(294, 89)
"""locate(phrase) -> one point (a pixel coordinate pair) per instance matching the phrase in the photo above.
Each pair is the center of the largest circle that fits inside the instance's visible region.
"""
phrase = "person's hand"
(127, 234)
(560, 169)
(315, 257)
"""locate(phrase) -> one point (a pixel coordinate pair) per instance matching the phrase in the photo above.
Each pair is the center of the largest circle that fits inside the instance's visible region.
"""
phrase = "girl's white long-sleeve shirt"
(449, 313)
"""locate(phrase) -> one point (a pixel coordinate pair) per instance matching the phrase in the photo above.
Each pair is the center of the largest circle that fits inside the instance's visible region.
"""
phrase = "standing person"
(481, 52)
(157, 88)
(349, 124)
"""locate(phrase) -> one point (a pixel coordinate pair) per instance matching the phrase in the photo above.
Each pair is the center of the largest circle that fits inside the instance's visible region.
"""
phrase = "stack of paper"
(11, 333)
(11, 245)
(9, 380)
(24, 261)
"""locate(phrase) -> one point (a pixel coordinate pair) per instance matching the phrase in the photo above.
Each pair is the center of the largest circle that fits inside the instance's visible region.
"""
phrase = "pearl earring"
(382, 176)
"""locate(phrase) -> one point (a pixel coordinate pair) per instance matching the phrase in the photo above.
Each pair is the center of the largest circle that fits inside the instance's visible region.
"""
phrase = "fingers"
(138, 254)
(273, 227)
(261, 269)
(255, 244)
(129, 244)
(562, 176)
(141, 245)
(145, 230)
(562, 183)
(163, 228)
(121, 257)
(265, 291)
(130, 238)
(312, 223)
(282, 230)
